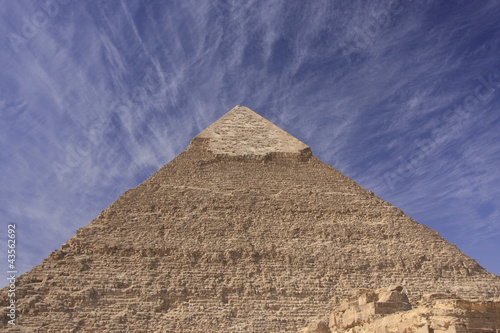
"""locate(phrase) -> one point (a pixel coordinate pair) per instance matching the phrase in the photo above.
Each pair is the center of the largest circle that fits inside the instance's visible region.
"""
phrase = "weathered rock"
(366, 305)
(244, 231)
(317, 326)
(387, 311)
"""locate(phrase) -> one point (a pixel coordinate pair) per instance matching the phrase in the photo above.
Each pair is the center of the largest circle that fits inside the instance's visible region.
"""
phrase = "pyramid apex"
(242, 131)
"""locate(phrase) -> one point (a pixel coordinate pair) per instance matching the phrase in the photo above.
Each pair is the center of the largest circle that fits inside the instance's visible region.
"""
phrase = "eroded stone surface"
(388, 311)
(216, 242)
(242, 132)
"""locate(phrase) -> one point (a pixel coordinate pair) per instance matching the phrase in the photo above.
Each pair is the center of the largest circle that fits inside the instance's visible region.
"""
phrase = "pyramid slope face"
(217, 242)
(242, 132)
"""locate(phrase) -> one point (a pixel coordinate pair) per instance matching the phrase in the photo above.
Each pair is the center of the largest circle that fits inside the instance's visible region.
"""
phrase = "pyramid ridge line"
(203, 246)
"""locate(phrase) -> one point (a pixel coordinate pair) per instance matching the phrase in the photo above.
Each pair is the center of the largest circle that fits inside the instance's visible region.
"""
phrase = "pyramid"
(244, 231)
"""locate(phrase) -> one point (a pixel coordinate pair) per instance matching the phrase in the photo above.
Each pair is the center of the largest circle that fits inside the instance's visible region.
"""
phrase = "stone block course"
(229, 239)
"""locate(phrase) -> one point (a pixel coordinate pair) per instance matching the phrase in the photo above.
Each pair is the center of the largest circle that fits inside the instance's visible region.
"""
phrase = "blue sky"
(402, 96)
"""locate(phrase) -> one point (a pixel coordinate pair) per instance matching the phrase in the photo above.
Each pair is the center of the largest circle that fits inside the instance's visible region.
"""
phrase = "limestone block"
(246, 231)
(432, 315)
(317, 326)
(385, 308)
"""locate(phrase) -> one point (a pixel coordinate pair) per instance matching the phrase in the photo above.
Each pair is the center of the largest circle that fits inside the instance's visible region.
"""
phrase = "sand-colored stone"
(244, 231)
(370, 311)
(243, 132)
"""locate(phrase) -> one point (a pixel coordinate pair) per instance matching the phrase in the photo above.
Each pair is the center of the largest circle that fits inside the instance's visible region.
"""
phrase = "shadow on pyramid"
(244, 231)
